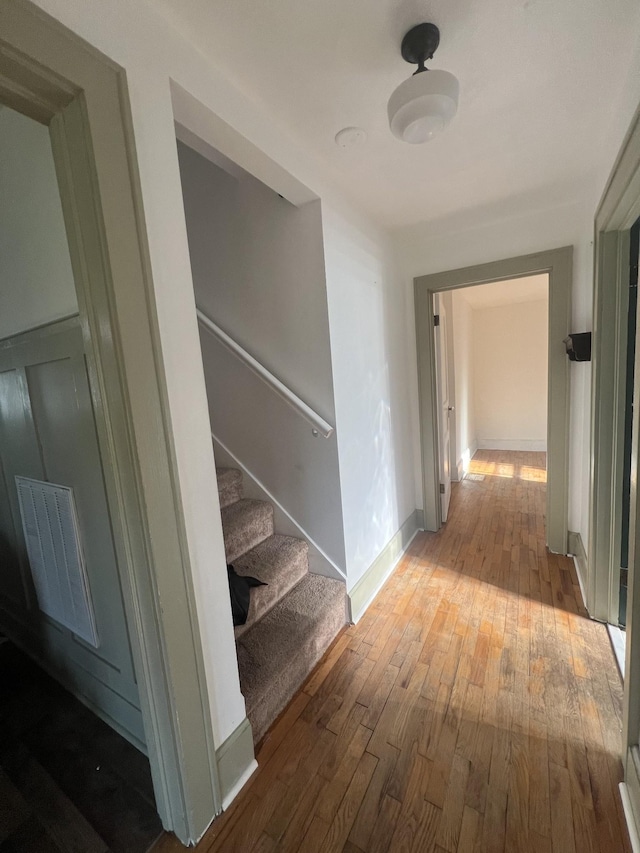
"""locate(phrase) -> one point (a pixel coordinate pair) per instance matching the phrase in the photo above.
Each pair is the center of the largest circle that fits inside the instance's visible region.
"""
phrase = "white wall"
(258, 271)
(36, 281)
(368, 314)
(466, 438)
(510, 355)
(481, 236)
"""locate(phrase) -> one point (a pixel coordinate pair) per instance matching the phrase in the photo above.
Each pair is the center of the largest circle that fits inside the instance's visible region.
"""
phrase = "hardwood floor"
(68, 782)
(473, 708)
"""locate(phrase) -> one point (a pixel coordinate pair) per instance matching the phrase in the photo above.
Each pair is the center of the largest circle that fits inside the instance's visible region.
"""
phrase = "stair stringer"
(319, 562)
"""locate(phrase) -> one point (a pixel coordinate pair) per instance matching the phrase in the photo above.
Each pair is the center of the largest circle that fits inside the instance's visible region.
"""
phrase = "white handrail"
(318, 424)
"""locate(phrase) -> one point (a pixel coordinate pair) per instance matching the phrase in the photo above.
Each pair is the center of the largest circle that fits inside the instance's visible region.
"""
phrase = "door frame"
(558, 263)
(52, 76)
(442, 308)
(617, 212)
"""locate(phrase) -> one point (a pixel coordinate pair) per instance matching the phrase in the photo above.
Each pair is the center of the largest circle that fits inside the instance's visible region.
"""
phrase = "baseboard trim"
(575, 548)
(365, 590)
(618, 640)
(512, 444)
(629, 817)
(236, 762)
(460, 467)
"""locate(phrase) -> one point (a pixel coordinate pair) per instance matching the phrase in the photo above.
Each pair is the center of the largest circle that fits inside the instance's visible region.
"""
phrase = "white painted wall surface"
(510, 356)
(509, 230)
(466, 439)
(36, 279)
(368, 315)
(258, 272)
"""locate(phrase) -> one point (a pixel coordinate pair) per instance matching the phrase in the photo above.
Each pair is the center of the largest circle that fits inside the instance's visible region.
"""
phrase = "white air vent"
(51, 533)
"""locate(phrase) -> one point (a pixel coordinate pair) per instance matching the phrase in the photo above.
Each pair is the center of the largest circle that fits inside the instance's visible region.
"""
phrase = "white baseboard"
(365, 590)
(512, 444)
(575, 548)
(236, 762)
(461, 469)
(634, 837)
(619, 644)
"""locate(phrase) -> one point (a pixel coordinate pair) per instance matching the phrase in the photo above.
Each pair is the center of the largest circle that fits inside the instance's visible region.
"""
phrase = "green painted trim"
(236, 762)
(576, 548)
(629, 816)
(365, 590)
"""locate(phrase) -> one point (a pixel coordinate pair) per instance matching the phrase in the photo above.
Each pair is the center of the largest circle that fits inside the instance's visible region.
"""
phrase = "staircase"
(291, 621)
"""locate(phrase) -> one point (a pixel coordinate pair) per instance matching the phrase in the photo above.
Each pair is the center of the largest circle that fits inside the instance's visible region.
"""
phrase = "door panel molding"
(558, 263)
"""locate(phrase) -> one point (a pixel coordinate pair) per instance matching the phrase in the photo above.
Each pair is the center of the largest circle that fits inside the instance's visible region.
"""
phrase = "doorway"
(61, 601)
(557, 266)
(491, 363)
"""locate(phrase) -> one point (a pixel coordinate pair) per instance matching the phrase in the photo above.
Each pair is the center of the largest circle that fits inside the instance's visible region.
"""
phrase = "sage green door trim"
(617, 211)
(558, 263)
(50, 74)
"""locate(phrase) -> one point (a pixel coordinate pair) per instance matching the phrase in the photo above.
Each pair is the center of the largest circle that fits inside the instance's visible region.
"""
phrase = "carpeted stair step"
(280, 562)
(279, 652)
(245, 523)
(229, 485)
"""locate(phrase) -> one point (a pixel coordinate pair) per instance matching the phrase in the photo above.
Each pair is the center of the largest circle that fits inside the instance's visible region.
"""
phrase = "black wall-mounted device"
(579, 346)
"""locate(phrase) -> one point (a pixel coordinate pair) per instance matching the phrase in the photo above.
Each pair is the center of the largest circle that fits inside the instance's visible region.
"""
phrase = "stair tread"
(280, 562)
(280, 650)
(245, 523)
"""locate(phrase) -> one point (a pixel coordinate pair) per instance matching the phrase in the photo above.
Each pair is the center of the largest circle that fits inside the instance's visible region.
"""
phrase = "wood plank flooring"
(68, 782)
(474, 708)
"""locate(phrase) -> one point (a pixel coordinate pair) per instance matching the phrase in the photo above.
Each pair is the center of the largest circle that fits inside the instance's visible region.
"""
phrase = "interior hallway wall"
(35, 267)
(510, 362)
(258, 272)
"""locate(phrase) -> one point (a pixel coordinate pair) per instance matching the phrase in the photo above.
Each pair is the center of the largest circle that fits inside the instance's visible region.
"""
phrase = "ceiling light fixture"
(424, 104)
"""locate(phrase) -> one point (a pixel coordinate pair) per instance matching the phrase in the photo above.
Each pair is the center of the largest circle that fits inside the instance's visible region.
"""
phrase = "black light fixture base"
(419, 44)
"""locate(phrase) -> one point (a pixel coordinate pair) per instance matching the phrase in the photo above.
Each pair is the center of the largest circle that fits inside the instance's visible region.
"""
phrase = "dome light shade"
(423, 105)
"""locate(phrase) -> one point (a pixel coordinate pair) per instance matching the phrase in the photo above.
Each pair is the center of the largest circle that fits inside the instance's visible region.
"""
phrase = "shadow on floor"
(68, 782)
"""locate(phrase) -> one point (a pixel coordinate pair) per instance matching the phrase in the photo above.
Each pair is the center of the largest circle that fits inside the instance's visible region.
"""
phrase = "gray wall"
(48, 432)
(36, 282)
(258, 272)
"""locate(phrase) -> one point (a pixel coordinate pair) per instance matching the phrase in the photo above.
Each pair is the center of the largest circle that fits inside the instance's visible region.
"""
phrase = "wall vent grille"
(51, 533)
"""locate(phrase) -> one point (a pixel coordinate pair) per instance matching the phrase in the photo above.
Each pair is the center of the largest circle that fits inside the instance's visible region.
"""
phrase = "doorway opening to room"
(554, 267)
(491, 348)
(74, 741)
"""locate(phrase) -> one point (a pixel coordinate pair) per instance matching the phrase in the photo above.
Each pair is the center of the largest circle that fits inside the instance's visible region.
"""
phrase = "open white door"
(444, 404)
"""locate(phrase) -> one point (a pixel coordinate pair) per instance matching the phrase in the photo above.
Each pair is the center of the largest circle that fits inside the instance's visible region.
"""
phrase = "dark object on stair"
(240, 591)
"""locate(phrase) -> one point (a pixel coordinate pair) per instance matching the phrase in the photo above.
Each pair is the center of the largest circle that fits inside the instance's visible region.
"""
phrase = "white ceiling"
(540, 81)
(533, 288)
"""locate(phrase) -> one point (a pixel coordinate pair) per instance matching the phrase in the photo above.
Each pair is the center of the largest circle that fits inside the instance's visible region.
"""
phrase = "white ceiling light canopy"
(423, 105)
